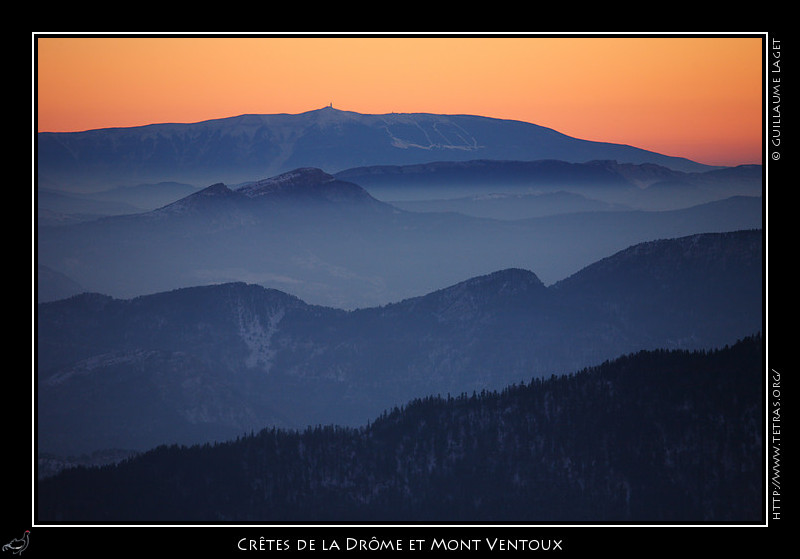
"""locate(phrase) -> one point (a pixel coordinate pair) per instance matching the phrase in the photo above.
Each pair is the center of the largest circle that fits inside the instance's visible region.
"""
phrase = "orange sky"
(699, 98)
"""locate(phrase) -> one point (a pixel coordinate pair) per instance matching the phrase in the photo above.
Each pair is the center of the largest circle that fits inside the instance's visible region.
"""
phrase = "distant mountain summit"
(297, 180)
(236, 149)
(310, 186)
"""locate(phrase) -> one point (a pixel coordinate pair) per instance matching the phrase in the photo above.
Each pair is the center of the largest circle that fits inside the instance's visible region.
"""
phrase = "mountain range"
(237, 149)
(494, 189)
(338, 284)
(329, 242)
(447, 186)
(209, 363)
(371, 231)
(601, 177)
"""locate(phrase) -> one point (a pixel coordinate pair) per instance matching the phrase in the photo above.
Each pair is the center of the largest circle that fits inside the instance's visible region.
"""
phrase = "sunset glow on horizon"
(699, 98)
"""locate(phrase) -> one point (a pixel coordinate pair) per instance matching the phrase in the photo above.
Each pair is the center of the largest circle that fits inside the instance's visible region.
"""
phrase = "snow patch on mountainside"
(258, 336)
(440, 135)
(298, 178)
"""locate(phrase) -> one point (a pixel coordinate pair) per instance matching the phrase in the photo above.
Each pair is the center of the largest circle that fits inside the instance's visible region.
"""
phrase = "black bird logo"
(18, 545)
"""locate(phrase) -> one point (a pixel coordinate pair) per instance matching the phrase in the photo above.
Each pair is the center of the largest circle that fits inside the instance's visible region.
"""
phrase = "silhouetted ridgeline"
(652, 436)
(241, 147)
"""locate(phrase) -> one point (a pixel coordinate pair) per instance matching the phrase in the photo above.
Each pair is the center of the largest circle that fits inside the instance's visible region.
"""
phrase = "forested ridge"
(654, 436)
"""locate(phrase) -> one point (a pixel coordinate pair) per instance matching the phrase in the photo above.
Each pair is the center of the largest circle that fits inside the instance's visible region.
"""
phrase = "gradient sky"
(699, 98)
